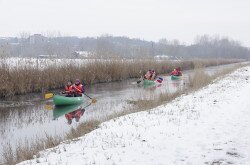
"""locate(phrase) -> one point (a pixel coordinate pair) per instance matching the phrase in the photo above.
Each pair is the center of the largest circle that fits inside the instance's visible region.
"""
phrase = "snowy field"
(15, 62)
(210, 126)
(39, 63)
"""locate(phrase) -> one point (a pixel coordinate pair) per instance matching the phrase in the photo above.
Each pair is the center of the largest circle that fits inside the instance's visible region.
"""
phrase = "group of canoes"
(150, 77)
(74, 91)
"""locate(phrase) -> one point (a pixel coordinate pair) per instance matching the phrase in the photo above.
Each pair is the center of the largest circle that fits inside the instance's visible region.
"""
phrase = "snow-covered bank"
(208, 126)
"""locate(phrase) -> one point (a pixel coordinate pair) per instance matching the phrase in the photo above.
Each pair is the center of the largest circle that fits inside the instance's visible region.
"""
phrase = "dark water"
(29, 116)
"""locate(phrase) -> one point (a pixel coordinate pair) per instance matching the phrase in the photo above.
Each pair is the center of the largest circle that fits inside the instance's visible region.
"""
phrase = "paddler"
(153, 75)
(78, 88)
(179, 71)
(69, 89)
(174, 72)
(150, 75)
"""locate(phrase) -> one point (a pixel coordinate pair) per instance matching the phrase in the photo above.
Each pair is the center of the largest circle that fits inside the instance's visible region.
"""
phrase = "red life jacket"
(175, 73)
(78, 88)
(69, 90)
(148, 75)
(178, 71)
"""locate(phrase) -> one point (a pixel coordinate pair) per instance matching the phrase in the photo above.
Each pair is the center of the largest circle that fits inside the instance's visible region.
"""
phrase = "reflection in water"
(77, 114)
(59, 111)
(70, 112)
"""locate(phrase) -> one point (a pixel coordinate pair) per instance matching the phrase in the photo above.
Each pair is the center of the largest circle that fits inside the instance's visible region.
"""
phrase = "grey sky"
(145, 19)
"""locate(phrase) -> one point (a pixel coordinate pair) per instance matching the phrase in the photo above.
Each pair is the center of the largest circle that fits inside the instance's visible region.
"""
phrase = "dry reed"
(22, 80)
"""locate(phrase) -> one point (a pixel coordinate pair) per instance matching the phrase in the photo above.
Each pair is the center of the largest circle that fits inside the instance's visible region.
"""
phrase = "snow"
(209, 126)
(42, 63)
(17, 63)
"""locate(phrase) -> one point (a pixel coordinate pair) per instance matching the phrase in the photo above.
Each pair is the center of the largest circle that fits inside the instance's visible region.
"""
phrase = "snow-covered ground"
(210, 126)
(40, 63)
(16, 62)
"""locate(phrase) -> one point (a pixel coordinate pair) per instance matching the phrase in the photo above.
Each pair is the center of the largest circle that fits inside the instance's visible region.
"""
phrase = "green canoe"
(175, 77)
(62, 100)
(148, 83)
(62, 110)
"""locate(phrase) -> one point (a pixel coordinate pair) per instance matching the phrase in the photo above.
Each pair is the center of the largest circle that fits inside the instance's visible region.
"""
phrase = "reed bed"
(22, 80)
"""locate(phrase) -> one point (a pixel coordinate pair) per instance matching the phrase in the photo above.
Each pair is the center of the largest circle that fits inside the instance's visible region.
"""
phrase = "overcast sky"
(145, 19)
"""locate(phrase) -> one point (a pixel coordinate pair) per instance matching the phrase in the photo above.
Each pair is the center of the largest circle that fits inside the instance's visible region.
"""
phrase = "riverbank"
(27, 77)
(208, 126)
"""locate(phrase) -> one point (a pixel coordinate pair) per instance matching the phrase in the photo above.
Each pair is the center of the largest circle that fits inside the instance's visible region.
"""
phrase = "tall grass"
(22, 80)
(25, 150)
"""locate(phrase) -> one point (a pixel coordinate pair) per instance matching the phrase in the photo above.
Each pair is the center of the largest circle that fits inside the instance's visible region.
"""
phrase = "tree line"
(107, 46)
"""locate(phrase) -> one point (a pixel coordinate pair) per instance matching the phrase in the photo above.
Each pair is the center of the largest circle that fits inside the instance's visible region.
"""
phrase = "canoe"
(62, 100)
(148, 82)
(175, 77)
(62, 110)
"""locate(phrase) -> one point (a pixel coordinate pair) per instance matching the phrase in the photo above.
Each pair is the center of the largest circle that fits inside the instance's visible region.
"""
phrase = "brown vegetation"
(21, 80)
(26, 150)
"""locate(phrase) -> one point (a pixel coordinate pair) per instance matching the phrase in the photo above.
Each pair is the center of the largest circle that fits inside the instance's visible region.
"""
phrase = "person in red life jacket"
(69, 89)
(78, 88)
(153, 75)
(150, 75)
(174, 72)
(179, 71)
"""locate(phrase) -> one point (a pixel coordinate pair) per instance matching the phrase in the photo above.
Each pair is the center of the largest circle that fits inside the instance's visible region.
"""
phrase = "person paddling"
(176, 72)
(78, 88)
(153, 75)
(179, 71)
(150, 75)
(69, 89)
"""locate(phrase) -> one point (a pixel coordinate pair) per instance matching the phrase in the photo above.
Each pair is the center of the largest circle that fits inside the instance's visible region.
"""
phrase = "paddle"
(93, 100)
(48, 95)
(140, 80)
